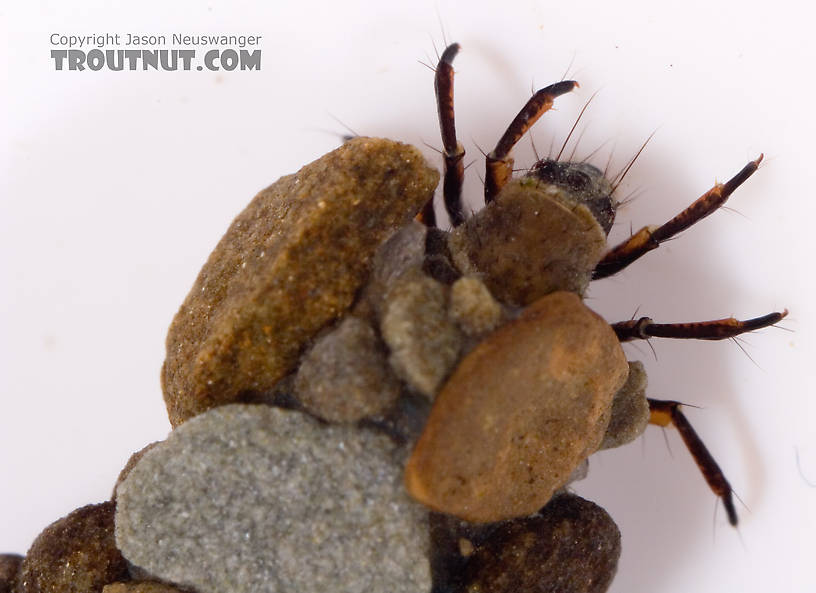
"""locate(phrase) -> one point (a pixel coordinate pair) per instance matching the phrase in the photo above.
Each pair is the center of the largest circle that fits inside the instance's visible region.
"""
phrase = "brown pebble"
(630, 410)
(290, 264)
(134, 459)
(76, 554)
(522, 410)
(9, 567)
(141, 587)
(530, 241)
(345, 377)
(572, 546)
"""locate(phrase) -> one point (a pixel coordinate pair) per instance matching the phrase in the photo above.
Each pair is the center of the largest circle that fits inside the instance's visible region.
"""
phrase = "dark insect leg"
(718, 329)
(499, 166)
(664, 413)
(454, 153)
(649, 238)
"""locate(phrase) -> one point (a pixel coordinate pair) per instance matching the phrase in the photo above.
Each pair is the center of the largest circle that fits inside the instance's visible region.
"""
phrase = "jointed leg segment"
(454, 153)
(718, 329)
(499, 165)
(664, 413)
(649, 238)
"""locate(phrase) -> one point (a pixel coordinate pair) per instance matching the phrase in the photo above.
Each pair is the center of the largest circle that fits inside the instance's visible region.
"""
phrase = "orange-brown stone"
(520, 412)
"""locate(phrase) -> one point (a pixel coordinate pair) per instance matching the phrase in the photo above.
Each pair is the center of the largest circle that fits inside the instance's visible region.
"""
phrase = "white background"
(116, 186)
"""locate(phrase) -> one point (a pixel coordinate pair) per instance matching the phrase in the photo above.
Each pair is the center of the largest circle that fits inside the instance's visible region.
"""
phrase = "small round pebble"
(630, 410)
(9, 567)
(572, 546)
(345, 376)
(473, 307)
(402, 251)
(249, 498)
(424, 342)
(76, 554)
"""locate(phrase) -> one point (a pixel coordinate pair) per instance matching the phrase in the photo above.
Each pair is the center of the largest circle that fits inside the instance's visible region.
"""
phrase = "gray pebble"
(248, 498)
(403, 251)
(424, 341)
(630, 410)
(345, 376)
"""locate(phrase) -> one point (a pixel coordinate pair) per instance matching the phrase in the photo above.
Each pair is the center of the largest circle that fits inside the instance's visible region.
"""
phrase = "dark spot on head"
(584, 183)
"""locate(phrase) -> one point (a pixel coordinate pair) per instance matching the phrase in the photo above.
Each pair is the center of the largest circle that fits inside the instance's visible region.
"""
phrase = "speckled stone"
(423, 341)
(248, 498)
(345, 376)
(572, 546)
(9, 567)
(473, 308)
(290, 264)
(530, 241)
(141, 587)
(76, 554)
(131, 462)
(630, 410)
(522, 410)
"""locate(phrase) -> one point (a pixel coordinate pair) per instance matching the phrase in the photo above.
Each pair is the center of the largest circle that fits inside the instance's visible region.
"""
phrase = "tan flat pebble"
(9, 567)
(530, 241)
(345, 376)
(290, 264)
(76, 554)
(522, 410)
(473, 308)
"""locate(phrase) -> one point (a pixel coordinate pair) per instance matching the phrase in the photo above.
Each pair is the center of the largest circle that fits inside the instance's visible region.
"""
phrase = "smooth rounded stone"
(571, 546)
(403, 251)
(423, 341)
(530, 241)
(630, 410)
(473, 308)
(521, 411)
(141, 587)
(131, 462)
(9, 567)
(247, 498)
(289, 265)
(345, 376)
(76, 554)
